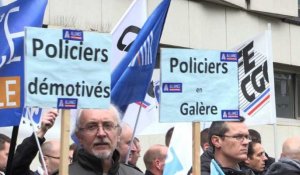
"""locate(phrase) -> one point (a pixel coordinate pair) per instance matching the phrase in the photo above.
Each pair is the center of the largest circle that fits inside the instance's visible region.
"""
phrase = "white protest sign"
(198, 85)
(63, 63)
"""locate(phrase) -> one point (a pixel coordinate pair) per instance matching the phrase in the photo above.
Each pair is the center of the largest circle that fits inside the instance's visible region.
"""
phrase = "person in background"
(136, 154)
(51, 153)
(255, 137)
(256, 159)
(28, 149)
(124, 144)
(4, 151)
(204, 139)
(98, 132)
(72, 152)
(289, 162)
(168, 136)
(154, 159)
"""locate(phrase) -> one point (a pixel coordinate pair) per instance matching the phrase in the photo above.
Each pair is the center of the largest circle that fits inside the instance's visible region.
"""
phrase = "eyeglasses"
(48, 156)
(93, 128)
(239, 137)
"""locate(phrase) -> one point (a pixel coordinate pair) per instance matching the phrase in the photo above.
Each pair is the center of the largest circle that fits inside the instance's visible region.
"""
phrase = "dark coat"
(24, 156)
(206, 158)
(284, 167)
(148, 172)
(87, 164)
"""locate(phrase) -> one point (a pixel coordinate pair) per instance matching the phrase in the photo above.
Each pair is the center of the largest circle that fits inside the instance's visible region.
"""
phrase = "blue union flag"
(144, 56)
(132, 76)
(13, 18)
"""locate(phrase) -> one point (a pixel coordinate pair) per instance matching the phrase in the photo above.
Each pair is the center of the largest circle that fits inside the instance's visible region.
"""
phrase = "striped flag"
(256, 80)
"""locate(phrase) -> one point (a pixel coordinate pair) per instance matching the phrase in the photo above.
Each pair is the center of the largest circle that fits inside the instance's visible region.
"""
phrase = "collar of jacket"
(93, 163)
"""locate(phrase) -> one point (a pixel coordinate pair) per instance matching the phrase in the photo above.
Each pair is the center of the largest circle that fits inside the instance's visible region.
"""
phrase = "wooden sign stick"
(196, 148)
(64, 142)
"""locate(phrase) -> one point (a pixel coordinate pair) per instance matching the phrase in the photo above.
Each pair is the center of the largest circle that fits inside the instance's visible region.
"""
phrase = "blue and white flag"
(131, 77)
(215, 168)
(31, 117)
(126, 30)
(123, 35)
(13, 18)
(179, 162)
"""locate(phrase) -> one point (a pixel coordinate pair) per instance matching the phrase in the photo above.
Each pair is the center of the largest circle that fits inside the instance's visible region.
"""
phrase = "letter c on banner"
(130, 29)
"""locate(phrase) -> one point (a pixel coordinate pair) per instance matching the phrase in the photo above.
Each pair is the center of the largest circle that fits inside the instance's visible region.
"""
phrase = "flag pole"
(196, 148)
(39, 146)
(134, 130)
(270, 55)
(12, 149)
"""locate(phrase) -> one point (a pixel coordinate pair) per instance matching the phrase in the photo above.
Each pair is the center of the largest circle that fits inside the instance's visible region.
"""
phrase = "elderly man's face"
(99, 132)
(3, 156)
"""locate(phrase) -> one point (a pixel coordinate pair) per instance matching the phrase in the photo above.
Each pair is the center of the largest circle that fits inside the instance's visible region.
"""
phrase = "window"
(287, 92)
(297, 95)
(298, 8)
(284, 95)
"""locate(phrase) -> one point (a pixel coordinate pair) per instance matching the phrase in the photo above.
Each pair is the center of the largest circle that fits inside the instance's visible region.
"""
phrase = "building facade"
(217, 25)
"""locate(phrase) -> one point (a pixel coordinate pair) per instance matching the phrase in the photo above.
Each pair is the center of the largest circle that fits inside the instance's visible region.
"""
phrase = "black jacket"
(148, 172)
(205, 161)
(24, 155)
(284, 167)
(205, 165)
(87, 164)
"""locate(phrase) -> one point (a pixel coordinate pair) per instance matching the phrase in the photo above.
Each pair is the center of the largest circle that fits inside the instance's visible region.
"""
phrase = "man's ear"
(216, 141)
(79, 136)
(157, 163)
(206, 146)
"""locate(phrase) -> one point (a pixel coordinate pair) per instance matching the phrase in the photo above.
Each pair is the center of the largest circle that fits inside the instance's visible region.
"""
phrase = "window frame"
(294, 71)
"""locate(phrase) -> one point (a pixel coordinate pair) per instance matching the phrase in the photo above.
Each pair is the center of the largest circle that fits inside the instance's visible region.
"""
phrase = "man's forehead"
(237, 127)
(98, 114)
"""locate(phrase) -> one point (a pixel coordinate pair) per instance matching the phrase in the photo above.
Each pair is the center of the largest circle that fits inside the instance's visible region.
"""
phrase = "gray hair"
(112, 108)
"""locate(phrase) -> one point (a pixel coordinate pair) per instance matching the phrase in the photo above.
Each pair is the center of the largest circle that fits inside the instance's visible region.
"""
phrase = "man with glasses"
(98, 131)
(51, 151)
(229, 141)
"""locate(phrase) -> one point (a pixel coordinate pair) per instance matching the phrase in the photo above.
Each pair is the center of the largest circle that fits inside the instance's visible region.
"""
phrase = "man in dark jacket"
(256, 160)
(28, 149)
(229, 141)
(98, 131)
(154, 159)
(289, 163)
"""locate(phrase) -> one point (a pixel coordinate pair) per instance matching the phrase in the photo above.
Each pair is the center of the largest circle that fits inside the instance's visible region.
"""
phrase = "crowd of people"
(107, 146)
